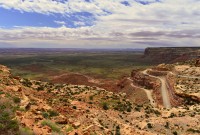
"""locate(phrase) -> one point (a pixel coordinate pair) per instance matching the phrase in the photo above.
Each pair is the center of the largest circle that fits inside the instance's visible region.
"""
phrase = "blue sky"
(99, 23)
(12, 18)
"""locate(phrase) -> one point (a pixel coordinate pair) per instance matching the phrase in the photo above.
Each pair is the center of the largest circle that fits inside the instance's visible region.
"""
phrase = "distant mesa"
(172, 54)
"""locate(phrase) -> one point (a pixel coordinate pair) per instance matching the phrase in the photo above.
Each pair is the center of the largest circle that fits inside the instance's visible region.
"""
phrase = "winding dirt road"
(148, 93)
(164, 90)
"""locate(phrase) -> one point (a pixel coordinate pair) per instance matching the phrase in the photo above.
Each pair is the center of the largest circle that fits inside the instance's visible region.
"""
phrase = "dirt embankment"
(174, 98)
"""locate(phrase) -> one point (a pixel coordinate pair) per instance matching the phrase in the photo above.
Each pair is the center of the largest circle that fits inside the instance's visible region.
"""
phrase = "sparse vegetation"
(25, 131)
(91, 97)
(110, 64)
(45, 114)
(105, 105)
(74, 107)
(62, 108)
(69, 128)
(40, 88)
(52, 113)
(175, 133)
(1, 92)
(52, 125)
(117, 130)
(16, 99)
(149, 125)
(193, 130)
(167, 125)
(8, 125)
(128, 109)
(26, 82)
(137, 108)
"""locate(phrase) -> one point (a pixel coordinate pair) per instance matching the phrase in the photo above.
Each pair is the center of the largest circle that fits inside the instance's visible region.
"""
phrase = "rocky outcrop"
(197, 63)
(145, 81)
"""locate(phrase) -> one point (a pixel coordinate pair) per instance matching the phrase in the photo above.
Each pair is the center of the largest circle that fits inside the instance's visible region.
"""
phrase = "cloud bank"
(114, 23)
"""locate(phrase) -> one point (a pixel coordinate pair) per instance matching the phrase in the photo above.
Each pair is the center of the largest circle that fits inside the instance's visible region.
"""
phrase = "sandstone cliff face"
(172, 54)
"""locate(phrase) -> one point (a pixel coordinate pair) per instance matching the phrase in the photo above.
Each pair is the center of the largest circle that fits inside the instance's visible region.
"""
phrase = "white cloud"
(60, 22)
(78, 23)
(50, 6)
(175, 22)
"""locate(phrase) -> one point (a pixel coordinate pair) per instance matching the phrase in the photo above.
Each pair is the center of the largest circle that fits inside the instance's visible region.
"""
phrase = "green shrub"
(149, 125)
(137, 108)
(26, 83)
(93, 133)
(91, 97)
(193, 130)
(40, 88)
(25, 131)
(74, 107)
(52, 125)
(16, 99)
(45, 114)
(65, 100)
(157, 112)
(117, 130)
(105, 106)
(167, 125)
(37, 83)
(175, 133)
(52, 113)
(8, 125)
(122, 107)
(128, 109)
(172, 115)
(69, 128)
(1, 92)
(90, 103)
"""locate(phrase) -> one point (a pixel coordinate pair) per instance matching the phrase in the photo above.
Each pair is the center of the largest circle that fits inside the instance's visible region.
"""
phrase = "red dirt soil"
(79, 79)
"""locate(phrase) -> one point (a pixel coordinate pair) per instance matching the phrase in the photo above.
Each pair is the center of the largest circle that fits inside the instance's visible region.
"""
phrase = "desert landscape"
(151, 99)
(99, 67)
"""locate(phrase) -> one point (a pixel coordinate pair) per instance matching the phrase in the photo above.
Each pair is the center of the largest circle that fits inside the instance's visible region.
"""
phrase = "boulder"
(76, 124)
